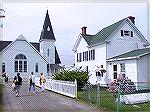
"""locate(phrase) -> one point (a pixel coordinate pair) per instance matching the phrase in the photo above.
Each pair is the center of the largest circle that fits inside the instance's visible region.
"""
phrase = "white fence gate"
(63, 87)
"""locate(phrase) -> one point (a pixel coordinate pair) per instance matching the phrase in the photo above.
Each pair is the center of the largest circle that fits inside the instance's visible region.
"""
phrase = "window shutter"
(77, 57)
(93, 54)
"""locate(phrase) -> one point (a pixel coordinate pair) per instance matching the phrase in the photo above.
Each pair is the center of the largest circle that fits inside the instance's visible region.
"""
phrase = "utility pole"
(1, 13)
(1, 31)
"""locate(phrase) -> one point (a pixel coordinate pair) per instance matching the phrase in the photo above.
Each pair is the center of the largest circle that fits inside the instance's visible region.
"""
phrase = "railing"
(62, 87)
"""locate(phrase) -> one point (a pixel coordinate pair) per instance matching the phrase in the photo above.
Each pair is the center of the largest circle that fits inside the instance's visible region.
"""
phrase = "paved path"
(41, 102)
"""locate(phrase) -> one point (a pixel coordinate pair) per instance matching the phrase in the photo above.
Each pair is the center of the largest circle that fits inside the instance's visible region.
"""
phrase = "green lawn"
(108, 101)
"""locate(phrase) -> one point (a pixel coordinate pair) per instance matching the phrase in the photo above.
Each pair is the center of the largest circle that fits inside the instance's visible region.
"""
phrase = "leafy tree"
(65, 75)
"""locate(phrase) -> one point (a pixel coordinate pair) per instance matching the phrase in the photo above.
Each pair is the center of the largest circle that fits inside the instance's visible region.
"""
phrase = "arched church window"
(20, 64)
(20, 56)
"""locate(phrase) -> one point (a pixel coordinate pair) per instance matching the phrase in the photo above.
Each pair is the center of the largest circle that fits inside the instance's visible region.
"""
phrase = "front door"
(115, 71)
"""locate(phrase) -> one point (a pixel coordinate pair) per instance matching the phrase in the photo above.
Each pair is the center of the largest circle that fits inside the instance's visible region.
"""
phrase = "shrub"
(65, 75)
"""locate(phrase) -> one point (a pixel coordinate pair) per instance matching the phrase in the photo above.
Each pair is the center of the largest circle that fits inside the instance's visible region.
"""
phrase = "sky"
(67, 19)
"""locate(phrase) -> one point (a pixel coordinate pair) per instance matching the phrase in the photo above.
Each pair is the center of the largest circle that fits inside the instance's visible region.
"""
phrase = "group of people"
(17, 82)
(31, 82)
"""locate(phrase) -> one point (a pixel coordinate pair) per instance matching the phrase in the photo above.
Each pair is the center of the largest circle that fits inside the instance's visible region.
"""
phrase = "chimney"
(84, 30)
(132, 19)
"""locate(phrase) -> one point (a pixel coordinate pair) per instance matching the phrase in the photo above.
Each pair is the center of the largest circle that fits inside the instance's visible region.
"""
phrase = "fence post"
(89, 91)
(118, 97)
(75, 88)
(98, 95)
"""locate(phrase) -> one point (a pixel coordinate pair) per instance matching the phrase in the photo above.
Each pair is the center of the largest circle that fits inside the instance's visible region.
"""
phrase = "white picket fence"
(62, 87)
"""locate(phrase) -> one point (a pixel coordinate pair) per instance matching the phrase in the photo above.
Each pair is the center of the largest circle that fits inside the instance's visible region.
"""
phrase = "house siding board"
(100, 59)
(143, 69)
(22, 47)
(122, 44)
(130, 69)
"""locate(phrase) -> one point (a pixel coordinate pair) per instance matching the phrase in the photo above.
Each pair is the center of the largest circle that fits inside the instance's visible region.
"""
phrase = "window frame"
(126, 33)
(20, 63)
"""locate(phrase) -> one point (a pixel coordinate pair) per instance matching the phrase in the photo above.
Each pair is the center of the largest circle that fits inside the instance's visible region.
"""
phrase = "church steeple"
(47, 31)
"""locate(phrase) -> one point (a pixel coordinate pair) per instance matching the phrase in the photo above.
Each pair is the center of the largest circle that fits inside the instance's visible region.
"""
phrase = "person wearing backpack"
(32, 82)
(18, 83)
(42, 81)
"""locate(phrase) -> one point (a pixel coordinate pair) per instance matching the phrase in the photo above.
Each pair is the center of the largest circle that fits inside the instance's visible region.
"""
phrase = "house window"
(127, 33)
(115, 71)
(83, 56)
(3, 68)
(93, 54)
(16, 66)
(20, 63)
(79, 57)
(86, 55)
(89, 55)
(20, 66)
(48, 68)
(122, 68)
(36, 67)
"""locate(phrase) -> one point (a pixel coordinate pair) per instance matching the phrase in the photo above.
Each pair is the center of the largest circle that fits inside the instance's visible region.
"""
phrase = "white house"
(118, 48)
(25, 57)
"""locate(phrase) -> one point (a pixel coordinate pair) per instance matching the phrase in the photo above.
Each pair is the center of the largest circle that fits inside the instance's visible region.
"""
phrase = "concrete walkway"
(41, 101)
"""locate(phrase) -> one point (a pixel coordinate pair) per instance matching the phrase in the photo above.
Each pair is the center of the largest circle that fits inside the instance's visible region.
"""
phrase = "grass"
(1, 95)
(108, 101)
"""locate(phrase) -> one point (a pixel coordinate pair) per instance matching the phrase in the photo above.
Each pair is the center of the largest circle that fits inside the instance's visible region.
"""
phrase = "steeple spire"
(47, 31)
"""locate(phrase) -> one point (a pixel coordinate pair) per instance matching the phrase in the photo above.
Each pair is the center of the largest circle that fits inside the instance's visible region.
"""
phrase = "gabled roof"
(102, 35)
(57, 59)
(4, 44)
(132, 54)
(47, 31)
(106, 32)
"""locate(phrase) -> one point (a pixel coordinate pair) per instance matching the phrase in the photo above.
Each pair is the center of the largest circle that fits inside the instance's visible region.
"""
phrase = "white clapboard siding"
(63, 87)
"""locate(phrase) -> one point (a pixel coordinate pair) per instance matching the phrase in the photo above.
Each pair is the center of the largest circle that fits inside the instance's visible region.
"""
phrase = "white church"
(25, 57)
(119, 49)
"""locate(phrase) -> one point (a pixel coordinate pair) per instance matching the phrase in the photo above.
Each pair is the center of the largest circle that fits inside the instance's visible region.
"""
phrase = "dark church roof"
(47, 31)
(4, 44)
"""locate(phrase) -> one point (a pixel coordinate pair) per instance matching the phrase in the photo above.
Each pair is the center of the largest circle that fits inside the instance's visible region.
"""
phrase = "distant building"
(119, 49)
(26, 57)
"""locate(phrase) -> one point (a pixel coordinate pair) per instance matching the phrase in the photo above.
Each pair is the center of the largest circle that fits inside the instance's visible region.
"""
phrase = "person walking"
(18, 83)
(42, 81)
(32, 82)
(5, 78)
